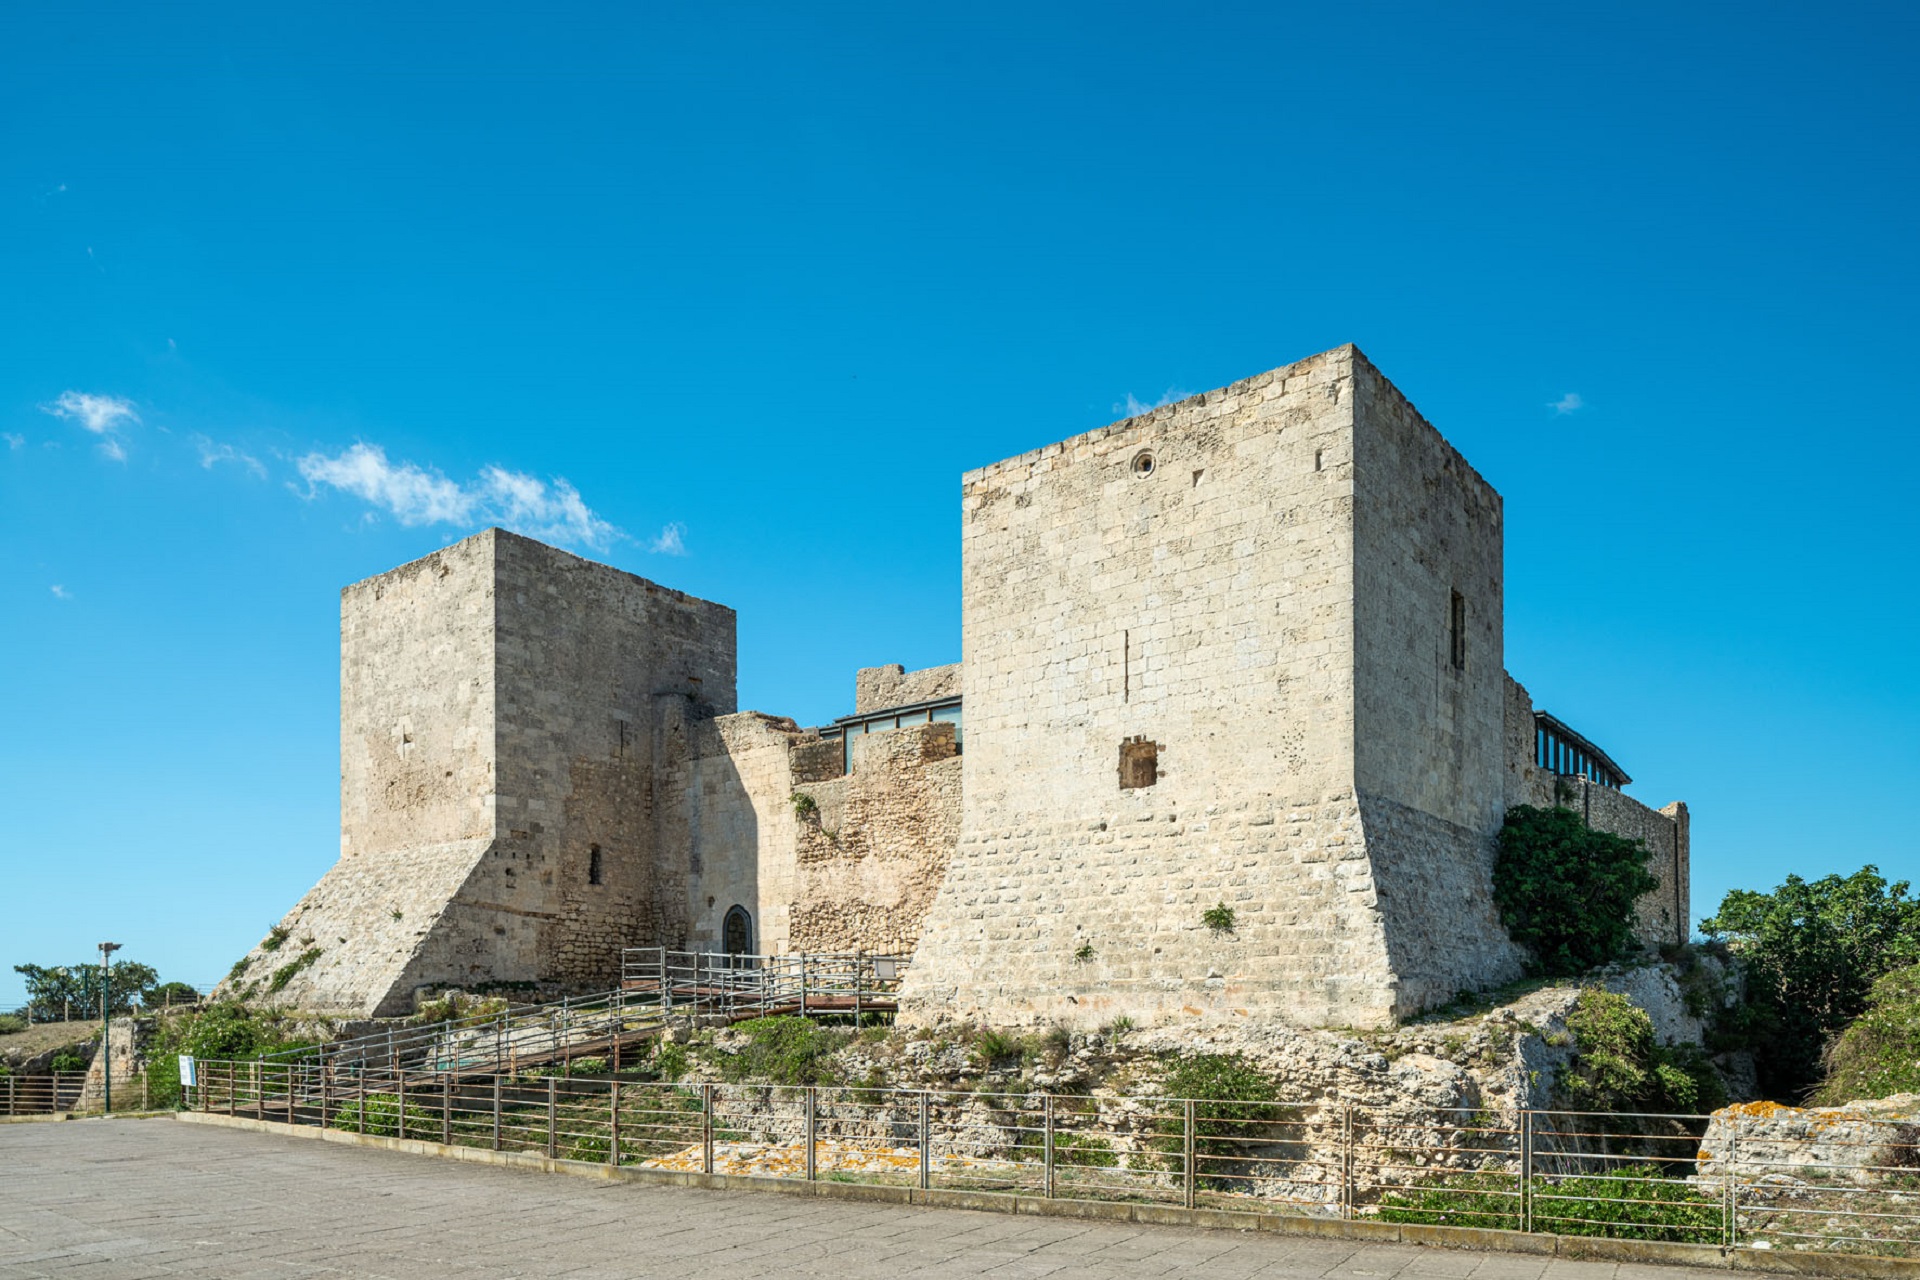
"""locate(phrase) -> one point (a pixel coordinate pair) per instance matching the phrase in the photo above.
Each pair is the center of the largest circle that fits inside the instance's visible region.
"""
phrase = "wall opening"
(736, 935)
(596, 866)
(1139, 763)
(1143, 463)
(1457, 631)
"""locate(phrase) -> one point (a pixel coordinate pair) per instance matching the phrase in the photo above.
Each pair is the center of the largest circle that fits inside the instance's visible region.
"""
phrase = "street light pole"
(106, 1020)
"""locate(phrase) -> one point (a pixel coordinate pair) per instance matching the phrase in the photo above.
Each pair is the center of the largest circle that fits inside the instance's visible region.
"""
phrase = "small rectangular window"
(1457, 631)
(1139, 763)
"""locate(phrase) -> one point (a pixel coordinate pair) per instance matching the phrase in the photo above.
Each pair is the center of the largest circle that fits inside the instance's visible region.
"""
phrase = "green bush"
(1812, 951)
(227, 1031)
(67, 1060)
(784, 1051)
(1565, 891)
(10, 1023)
(669, 1060)
(1236, 1110)
(1219, 918)
(275, 938)
(1879, 1052)
(1633, 1203)
(1619, 1066)
(381, 1112)
(993, 1045)
(284, 974)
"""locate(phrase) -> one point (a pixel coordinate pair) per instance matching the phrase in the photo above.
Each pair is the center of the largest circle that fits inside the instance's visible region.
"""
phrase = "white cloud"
(1132, 408)
(113, 449)
(61, 593)
(211, 454)
(101, 415)
(416, 495)
(13, 441)
(1568, 403)
(672, 540)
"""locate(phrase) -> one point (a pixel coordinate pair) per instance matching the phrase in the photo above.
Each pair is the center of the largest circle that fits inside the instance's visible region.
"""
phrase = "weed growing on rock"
(1219, 918)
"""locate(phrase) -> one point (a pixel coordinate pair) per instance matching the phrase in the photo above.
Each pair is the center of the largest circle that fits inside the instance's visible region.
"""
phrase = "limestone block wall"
(1184, 581)
(1429, 695)
(877, 688)
(498, 707)
(1665, 914)
(870, 859)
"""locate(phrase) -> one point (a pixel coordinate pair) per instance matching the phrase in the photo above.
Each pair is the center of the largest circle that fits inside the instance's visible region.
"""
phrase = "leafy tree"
(1565, 892)
(1879, 1052)
(74, 989)
(1812, 951)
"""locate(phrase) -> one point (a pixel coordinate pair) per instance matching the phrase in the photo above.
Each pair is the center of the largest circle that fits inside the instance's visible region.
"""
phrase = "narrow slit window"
(1457, 631)
(596, 868)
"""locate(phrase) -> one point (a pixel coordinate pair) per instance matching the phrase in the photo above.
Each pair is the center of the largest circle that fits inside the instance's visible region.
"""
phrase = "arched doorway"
(736, 935)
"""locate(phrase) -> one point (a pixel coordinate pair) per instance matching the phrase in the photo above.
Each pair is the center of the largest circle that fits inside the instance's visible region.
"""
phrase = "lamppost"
(106, 1019)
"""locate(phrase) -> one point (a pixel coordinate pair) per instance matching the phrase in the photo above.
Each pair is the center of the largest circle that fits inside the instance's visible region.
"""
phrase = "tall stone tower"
(501, 704)
(1244, 650)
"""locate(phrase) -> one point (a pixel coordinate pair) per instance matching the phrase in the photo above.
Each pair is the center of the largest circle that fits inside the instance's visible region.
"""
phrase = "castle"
(1242, 649)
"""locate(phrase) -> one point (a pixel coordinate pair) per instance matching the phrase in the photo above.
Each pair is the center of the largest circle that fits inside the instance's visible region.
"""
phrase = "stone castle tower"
(1244, 650)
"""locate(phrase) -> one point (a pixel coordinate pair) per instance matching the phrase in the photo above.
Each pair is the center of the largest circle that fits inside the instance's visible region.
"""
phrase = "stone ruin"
(1245, 649)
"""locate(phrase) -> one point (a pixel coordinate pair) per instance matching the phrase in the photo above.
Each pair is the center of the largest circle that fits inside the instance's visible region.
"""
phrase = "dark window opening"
(1457, 631)
(596, 872)
(1139, 763)
(737, 933)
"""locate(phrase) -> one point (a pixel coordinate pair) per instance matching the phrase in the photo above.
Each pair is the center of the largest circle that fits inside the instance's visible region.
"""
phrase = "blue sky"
(729, 295)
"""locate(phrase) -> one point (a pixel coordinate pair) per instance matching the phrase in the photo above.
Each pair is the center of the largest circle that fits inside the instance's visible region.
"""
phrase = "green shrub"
(784, 1051)
(67, 1060)
(285, 973)
(1084, 953)
(1118, 1027)
(804, 806)
(1565, 891)
(669, 1060)
(1879, 1052)
(1219, 918)
(227, 1031)
(275, 937)
(589, 1067)
(993, 1045)
(1236, 1110)
(1618, 1065)
(1635, 1203)
(1812, 951)
(381, 1113)
(10, 1023)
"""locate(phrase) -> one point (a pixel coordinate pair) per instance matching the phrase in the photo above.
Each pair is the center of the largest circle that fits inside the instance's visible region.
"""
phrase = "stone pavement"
(127, 1199)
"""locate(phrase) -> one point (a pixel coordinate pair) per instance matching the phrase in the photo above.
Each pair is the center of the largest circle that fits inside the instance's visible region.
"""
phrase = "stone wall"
(1184, 578)
(877, 688)
(878, 843)
(1665, 914)
(498, 709)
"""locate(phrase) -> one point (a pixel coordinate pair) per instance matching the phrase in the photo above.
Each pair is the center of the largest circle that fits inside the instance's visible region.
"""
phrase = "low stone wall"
(1865, 1143)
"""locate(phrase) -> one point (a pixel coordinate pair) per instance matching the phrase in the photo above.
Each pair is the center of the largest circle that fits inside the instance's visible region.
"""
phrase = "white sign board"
(186, 1071)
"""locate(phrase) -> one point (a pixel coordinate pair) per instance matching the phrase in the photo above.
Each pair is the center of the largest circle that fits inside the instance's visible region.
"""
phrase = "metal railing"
(1627, 1176)
(43, 1094)
(743, 986)
(657, 985)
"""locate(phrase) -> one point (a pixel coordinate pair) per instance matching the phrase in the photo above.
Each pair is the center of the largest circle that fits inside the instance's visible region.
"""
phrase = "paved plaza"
(125, 1199)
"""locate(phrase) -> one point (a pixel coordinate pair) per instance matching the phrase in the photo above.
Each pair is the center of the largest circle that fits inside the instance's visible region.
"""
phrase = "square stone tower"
(1243, 651)
(500, 708)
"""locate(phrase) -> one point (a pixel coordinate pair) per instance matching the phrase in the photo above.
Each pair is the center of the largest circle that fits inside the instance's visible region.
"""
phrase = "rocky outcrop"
(1866, 1143)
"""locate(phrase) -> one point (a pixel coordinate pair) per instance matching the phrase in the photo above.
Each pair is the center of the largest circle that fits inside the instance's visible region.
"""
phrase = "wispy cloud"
(1133, 408)
(672, 540)
(415, 495)
(13, 441)
(61, 593)
(1568, 403)
(212, 454)
(102, 415)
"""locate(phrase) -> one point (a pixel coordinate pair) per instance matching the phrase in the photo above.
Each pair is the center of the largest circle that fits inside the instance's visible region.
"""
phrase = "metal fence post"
(553, 1118)
(1733, 1190)
(259, 1094)
(496, 1112)
(1188, 1151)
(613, 1124)
(400, 1121)
(813, 1130)
(1526, 1170)
(706, 1128)
(289, 1077)
(926, 1142)
(1046, 1149)
(446, 1109)
(1346, 1160)
(12, 1086)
